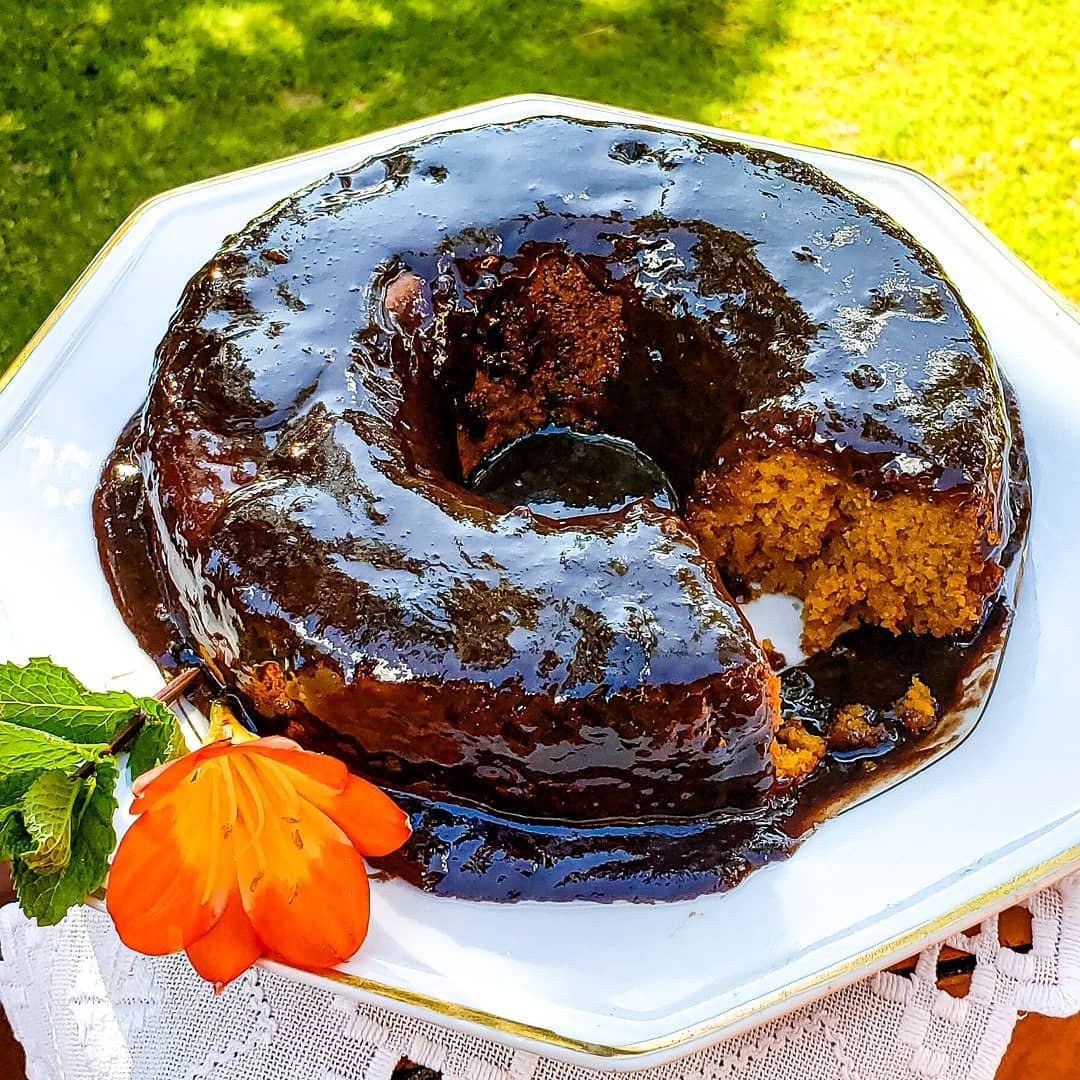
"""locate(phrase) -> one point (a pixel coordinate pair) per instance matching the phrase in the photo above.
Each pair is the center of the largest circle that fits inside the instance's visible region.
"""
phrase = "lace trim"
(86, 1008)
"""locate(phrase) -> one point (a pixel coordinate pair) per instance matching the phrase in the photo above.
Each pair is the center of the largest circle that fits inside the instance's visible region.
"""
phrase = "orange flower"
(250, 850)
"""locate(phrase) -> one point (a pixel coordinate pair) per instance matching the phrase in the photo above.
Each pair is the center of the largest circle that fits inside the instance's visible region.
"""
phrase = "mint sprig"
(47, 897)
(58, 774)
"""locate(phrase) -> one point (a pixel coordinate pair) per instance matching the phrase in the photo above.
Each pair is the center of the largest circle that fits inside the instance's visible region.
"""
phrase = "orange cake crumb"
(776, 658)
(792, 524)
(852, 729)
(795, 752)
(268, 690)
(917, 709)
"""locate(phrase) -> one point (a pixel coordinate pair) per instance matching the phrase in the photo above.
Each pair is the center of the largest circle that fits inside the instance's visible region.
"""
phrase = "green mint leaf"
(159, 739)
(47, 809)
(47, 697)
(27, 752)
(13, 837)
(47, 897)
(55, 828)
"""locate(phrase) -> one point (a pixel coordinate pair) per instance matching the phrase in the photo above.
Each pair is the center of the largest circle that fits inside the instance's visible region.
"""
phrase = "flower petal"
(318, 923)
(174, 869)
(274, 742)
(374, 823)
(158, 784)
(229, 948)
(304, 886)
(156, 882)
(315, 768)
(145, 779)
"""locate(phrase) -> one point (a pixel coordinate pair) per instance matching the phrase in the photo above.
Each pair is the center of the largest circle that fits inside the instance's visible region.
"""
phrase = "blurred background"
(105, 103)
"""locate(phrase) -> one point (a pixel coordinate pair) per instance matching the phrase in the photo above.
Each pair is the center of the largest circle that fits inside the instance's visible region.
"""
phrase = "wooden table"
(1041, 1048)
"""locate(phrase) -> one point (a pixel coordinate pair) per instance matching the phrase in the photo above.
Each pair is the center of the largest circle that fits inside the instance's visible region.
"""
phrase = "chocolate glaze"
(462, 850)
(306, 528)
(459, 851)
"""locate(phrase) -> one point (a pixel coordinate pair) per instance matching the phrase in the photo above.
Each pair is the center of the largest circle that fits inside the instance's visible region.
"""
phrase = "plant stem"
(172, 690)
(176, 686)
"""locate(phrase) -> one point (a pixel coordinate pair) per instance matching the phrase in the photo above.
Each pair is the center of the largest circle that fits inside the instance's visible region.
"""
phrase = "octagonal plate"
(621, 985)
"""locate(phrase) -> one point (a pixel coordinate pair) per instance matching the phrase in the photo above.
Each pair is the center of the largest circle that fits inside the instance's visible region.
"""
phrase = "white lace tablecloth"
(87, 1008)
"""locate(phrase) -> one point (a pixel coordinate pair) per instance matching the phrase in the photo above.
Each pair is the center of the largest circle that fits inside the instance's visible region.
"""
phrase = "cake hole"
(562, 473)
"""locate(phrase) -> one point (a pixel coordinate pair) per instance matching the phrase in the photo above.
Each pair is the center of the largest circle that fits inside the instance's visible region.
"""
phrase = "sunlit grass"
(103, 104)
(983, 95)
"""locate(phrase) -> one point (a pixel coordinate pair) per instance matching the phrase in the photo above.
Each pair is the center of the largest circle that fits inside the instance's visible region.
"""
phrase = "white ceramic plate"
(621, 985)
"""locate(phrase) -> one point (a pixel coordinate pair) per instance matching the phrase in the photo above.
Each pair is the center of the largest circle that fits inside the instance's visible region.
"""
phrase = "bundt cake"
(821, 402)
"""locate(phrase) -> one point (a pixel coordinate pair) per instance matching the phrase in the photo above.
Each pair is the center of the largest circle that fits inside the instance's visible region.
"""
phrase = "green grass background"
(103, 104)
